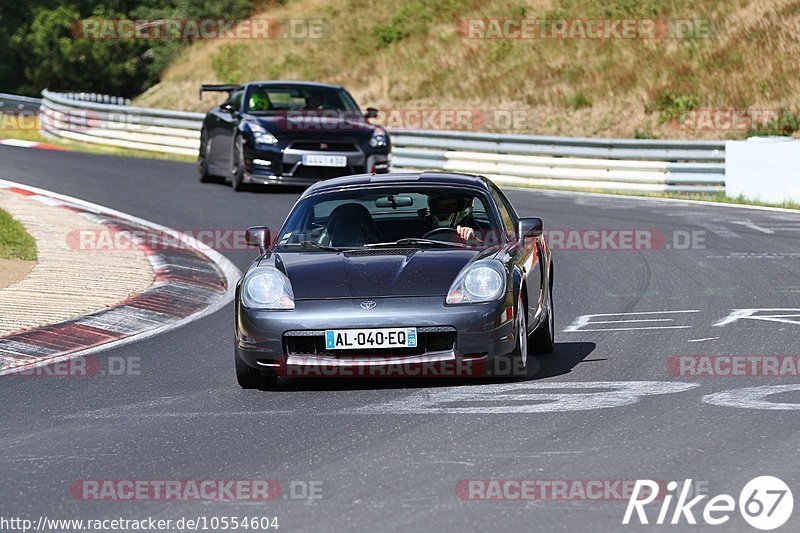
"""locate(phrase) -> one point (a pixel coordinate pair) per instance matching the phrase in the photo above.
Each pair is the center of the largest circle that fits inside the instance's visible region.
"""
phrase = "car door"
(226, 121)
(524, 254)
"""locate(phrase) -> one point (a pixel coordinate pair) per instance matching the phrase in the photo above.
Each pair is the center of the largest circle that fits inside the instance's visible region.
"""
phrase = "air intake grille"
(382, 251)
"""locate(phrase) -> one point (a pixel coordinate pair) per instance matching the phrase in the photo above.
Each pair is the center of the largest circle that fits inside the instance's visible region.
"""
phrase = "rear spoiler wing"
(209, 88)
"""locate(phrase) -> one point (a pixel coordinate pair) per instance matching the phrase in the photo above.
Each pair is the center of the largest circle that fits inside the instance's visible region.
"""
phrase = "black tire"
(237, 173)
(542, 340)
(202, 161)
(521, 356)
(250, 378)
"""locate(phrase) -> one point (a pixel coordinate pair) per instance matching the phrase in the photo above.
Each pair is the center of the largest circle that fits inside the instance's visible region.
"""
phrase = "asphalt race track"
(390, 454)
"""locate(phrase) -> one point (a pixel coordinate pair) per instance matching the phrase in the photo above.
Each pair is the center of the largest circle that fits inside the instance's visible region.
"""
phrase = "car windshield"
(390, 217)
(283, 98)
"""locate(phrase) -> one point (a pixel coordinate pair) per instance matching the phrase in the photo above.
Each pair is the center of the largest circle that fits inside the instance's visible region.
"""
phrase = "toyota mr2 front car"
(401, 270)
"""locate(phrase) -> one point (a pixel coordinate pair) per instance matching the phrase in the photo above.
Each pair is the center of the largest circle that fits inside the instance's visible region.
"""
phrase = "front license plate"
(325, 160)
(355, 339)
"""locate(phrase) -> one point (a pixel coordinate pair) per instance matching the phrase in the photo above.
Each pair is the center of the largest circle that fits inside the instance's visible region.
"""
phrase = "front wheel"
(238, 164)
(520, 357)
(543, 338)
(250, 378)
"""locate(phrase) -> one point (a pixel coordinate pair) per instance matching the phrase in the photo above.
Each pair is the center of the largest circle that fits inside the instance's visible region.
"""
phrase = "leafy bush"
(40, 49)
(674, 106)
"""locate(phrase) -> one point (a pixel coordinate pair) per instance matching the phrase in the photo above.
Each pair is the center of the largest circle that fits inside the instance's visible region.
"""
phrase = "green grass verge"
(114, 150)
(15, 242)
(721, 198)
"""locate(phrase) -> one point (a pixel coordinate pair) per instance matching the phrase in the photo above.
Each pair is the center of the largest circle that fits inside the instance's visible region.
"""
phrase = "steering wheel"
(436, 231)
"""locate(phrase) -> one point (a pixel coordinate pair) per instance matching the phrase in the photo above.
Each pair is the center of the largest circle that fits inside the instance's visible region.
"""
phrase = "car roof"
(294, 82)
(426, 177)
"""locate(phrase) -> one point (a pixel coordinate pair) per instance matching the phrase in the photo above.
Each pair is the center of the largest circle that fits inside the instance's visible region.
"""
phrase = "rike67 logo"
(765, 503)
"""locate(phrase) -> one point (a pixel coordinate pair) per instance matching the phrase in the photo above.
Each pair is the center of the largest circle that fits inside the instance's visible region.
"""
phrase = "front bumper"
(463, 339)
(284, 165)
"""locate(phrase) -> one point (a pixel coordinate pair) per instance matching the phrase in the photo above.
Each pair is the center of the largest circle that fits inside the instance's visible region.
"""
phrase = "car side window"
(236, 100)
(505, 214)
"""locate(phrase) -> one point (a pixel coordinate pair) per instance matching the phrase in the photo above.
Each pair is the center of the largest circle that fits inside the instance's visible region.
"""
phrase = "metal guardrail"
(14, 103)
(619, 164)
(610, 164)
(125, 126)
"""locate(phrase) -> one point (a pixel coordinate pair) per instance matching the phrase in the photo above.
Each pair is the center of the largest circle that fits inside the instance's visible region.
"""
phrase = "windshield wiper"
(417, 242)
(312, 244)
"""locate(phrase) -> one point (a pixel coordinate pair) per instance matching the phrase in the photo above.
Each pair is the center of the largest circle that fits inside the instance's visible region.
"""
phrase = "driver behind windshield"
(259, 101)
(451, 212)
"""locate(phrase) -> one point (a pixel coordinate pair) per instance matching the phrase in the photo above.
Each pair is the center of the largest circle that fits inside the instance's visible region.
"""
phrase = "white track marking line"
(18, 143)
(702, 340)
(631, 329)
(634, 320)
(647, 313)
(750, 224)
(751, 314)
(754, 398)
(586, 320)
(527, 397)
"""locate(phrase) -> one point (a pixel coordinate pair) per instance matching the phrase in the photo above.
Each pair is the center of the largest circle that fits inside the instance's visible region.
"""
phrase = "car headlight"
(483, 281)
(379, 138)
(262, 136)
(267, 288)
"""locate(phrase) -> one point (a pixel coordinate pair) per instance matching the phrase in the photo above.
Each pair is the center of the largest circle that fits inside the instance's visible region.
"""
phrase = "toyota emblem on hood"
(369, 304)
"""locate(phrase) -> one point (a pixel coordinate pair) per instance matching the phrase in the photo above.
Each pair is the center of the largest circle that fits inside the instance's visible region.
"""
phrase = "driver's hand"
(465, 232)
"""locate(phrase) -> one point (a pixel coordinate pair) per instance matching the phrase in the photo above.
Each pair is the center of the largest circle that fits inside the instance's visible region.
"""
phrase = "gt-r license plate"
(325, 160)
(350, 339)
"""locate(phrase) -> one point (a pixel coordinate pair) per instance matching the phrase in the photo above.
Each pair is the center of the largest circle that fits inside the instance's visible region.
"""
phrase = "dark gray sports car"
(413, 274)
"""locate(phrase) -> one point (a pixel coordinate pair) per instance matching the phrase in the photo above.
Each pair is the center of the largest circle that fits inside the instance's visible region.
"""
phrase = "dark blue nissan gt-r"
(290, 133)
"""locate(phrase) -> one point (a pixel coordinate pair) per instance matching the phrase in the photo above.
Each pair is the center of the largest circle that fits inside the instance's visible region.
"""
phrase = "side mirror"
(226, 107)
(530, 227)
(257, 236)
(372, 112)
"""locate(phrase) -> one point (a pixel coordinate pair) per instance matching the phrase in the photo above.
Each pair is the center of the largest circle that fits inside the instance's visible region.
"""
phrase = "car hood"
(313, 124)
(328, 275)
